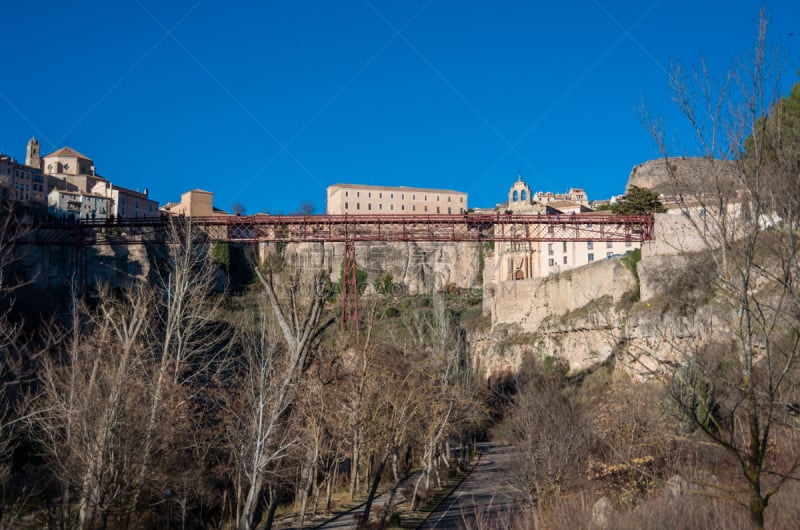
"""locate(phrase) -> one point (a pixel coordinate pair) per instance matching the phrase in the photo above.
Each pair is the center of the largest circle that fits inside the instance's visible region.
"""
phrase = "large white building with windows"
(355, 199)
(522, 260)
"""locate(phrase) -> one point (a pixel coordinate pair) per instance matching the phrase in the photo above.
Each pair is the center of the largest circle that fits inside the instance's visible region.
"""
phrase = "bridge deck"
(355, 228)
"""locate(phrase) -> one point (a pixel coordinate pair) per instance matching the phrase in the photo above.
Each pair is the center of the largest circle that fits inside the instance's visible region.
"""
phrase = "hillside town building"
(21, 182)
(520, 261)
(355, 199)
(75, 205)
(67, 182)
(193, 203)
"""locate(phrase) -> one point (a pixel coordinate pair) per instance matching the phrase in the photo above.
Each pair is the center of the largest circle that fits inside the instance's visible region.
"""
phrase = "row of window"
(552, 261)
(402, 196)
(520, 196)
(25, 175)
(589, 246)
(402, 207)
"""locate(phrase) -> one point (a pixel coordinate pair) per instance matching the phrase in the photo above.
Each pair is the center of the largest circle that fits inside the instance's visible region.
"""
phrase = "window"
(369, 206)
(448, 210)
(564, 249)
(358, 206)
(345, 193)
(628, 243)
(403, 196)
(448, 198)
(369, 195)
(391, 195)
(346, 206)
(437, 198)
(426, 197)
(391, 206)
(551, 262)
(462, 199)
(516, 198)
(590, 245)
(358, 194)
(565, 260)
(413, 208)
(609, 244)
(550, 248)
(413, 196)
(426, 207)
(402, 206)
(609, 254)
(380, 195)
(591, 257)
(380, 206)
(522, 195)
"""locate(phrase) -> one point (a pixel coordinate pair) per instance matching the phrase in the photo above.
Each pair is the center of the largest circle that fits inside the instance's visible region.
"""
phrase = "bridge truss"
(351, 229)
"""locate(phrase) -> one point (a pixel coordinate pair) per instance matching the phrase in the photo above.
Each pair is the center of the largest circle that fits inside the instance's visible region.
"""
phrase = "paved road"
(484, 495)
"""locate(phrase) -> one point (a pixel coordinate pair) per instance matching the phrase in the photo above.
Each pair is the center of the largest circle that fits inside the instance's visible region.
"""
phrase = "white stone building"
(524, 260)
(355, 199)
(74, 205)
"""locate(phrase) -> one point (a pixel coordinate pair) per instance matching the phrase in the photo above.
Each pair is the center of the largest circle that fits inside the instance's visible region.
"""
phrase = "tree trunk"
(375, 482)
(273, 505)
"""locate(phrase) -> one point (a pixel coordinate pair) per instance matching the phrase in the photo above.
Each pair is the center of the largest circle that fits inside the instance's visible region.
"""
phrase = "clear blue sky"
(268, 103)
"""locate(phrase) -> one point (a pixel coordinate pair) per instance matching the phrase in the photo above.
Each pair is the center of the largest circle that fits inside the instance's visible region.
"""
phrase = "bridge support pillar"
(349, 294)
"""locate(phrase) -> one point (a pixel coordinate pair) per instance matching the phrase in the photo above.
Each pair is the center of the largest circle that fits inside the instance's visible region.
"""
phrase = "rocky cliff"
(415, 267)
(593, 314)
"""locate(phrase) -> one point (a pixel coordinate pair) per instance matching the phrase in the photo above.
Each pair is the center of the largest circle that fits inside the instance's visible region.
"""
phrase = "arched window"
(515, 195)
(523, 195)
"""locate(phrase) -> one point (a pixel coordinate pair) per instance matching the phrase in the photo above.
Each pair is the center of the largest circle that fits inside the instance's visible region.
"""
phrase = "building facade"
(525, 260)
(353, 199)
(21, 182)
(77, 205)
(70, 171)
(193, 203)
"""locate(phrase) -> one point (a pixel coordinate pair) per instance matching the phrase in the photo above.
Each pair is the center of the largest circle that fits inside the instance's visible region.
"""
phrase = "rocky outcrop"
(684, 174)
(591, 315)
(575, 316)
(55, 267)
(415, 267)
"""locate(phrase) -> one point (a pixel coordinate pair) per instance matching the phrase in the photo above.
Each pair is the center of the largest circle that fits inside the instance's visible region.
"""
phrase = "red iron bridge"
(469, 227)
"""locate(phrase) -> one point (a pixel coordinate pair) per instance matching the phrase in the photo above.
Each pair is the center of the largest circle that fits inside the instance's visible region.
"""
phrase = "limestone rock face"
(415, 267)
(687, 174)
(53, 267)
(572, 316)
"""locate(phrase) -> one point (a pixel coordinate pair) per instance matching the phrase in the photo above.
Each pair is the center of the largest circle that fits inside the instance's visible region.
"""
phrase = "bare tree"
(273, 374)
(743, 209)
(88, 415)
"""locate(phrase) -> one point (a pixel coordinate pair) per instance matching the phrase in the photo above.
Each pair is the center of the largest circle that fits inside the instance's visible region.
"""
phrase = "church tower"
(32, 157)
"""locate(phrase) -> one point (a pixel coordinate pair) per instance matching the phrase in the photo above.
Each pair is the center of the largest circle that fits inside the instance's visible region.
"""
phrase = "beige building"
(21, 182)
(523, 260)
(68, 170)
(193, 203)
(353, 199)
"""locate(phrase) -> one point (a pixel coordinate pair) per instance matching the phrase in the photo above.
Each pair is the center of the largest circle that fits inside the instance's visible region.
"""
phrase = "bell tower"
(32, 157)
